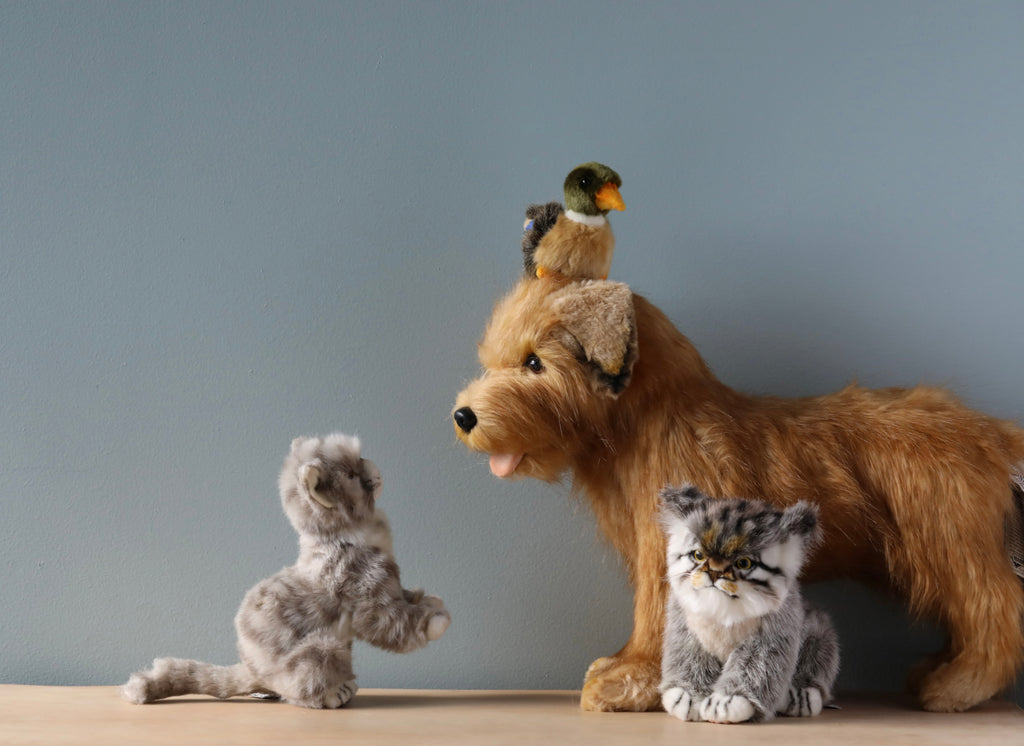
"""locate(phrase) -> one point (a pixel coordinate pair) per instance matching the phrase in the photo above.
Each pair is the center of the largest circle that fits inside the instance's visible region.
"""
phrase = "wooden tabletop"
(96, 715)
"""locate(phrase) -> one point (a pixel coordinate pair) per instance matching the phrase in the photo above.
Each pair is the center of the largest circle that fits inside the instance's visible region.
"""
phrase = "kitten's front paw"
(727, 708)
(348, 691)
(681, 704)
(438, 625)
(803, 703)
(332, 700)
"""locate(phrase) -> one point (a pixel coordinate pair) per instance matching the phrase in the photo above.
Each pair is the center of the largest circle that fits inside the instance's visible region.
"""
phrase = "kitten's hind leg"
(317, 674)
(266, 696)
(802, 702)
(816, 668)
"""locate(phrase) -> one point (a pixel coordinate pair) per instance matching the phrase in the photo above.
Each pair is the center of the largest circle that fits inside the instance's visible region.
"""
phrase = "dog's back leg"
(985, 646)
(968, 583)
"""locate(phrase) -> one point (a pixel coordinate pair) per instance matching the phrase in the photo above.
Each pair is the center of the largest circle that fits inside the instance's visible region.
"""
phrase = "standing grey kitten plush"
(740, 642)
(295, 629)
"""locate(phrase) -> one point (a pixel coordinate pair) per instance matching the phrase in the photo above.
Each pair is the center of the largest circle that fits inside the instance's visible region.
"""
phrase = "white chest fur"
(721, 639)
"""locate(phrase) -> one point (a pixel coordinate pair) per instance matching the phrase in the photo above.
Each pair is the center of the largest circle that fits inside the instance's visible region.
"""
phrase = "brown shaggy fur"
(914, 488)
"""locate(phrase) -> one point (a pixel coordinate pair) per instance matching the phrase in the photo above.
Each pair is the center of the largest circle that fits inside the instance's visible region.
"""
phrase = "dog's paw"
(727, 708)
(622, 685)
(957, 686)
(599, 666)
(803, 703)
(679, 703)
(438, 625)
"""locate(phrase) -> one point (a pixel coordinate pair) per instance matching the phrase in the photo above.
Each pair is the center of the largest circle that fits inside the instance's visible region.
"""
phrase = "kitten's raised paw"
(413, 596)
(438, 625)
(803, 703)
(680, 704)
(432, 602)
(727, 708)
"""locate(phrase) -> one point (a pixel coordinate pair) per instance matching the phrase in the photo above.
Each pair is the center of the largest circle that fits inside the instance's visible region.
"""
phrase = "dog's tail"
(1015, 523)
(171, 677)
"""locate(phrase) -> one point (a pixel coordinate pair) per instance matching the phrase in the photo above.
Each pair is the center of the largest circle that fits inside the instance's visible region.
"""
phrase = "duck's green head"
(593, 189)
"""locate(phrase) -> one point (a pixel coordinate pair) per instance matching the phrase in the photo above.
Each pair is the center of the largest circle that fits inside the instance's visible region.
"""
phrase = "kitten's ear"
(371, 477)
(802, 519)
(309, 476)
(683, 500)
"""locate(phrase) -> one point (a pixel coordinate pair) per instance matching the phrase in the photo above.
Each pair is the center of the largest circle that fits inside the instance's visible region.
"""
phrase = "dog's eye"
(533, 363)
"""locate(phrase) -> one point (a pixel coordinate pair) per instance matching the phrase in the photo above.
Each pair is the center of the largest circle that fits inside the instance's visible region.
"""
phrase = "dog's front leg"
(628, 680)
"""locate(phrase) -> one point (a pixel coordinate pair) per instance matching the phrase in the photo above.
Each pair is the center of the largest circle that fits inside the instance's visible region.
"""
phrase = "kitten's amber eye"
(743, 563)
(698, 555)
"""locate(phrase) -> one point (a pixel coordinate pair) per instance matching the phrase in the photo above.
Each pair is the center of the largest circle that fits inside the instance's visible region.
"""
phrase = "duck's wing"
(539, 219)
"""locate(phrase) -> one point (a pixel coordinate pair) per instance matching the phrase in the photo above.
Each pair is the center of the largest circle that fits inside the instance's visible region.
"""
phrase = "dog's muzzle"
(464, 418)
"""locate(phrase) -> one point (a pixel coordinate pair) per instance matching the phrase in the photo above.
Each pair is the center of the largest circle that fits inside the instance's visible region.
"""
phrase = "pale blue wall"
(226, 224)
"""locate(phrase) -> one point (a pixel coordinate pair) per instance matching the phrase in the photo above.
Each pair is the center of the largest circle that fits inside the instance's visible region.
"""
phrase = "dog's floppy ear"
(600, 324)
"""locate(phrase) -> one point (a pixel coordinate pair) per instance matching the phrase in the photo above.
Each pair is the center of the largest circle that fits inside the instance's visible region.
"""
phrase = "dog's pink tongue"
(503, 464)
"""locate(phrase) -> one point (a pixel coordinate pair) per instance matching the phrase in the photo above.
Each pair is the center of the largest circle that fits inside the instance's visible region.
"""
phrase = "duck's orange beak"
(608, 198)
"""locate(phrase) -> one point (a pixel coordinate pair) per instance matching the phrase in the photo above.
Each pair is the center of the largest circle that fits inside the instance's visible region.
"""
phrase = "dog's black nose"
(464, 418)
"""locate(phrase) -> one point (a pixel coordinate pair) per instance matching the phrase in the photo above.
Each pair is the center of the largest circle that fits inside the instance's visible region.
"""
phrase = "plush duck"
(575, 244)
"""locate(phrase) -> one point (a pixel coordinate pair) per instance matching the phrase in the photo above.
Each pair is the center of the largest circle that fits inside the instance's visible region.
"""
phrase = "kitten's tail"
(1015, 523)
(170, 677)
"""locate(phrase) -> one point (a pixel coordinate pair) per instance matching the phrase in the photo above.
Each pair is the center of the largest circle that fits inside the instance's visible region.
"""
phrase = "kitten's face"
(327, 486)
(732, 560)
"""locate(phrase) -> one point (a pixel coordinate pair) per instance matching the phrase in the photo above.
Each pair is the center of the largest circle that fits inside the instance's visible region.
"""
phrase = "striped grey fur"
(740, 642)
(295, 629)
(1015, 523)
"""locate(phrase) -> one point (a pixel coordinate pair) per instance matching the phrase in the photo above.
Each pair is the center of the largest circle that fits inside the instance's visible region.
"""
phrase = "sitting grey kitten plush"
(740, 643)
(295, 629)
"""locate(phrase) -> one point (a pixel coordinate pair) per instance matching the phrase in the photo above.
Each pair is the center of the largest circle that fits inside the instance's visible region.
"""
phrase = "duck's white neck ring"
(594, 221)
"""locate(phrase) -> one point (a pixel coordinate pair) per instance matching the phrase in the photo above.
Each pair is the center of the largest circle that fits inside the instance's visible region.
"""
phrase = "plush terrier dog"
(916, 491)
